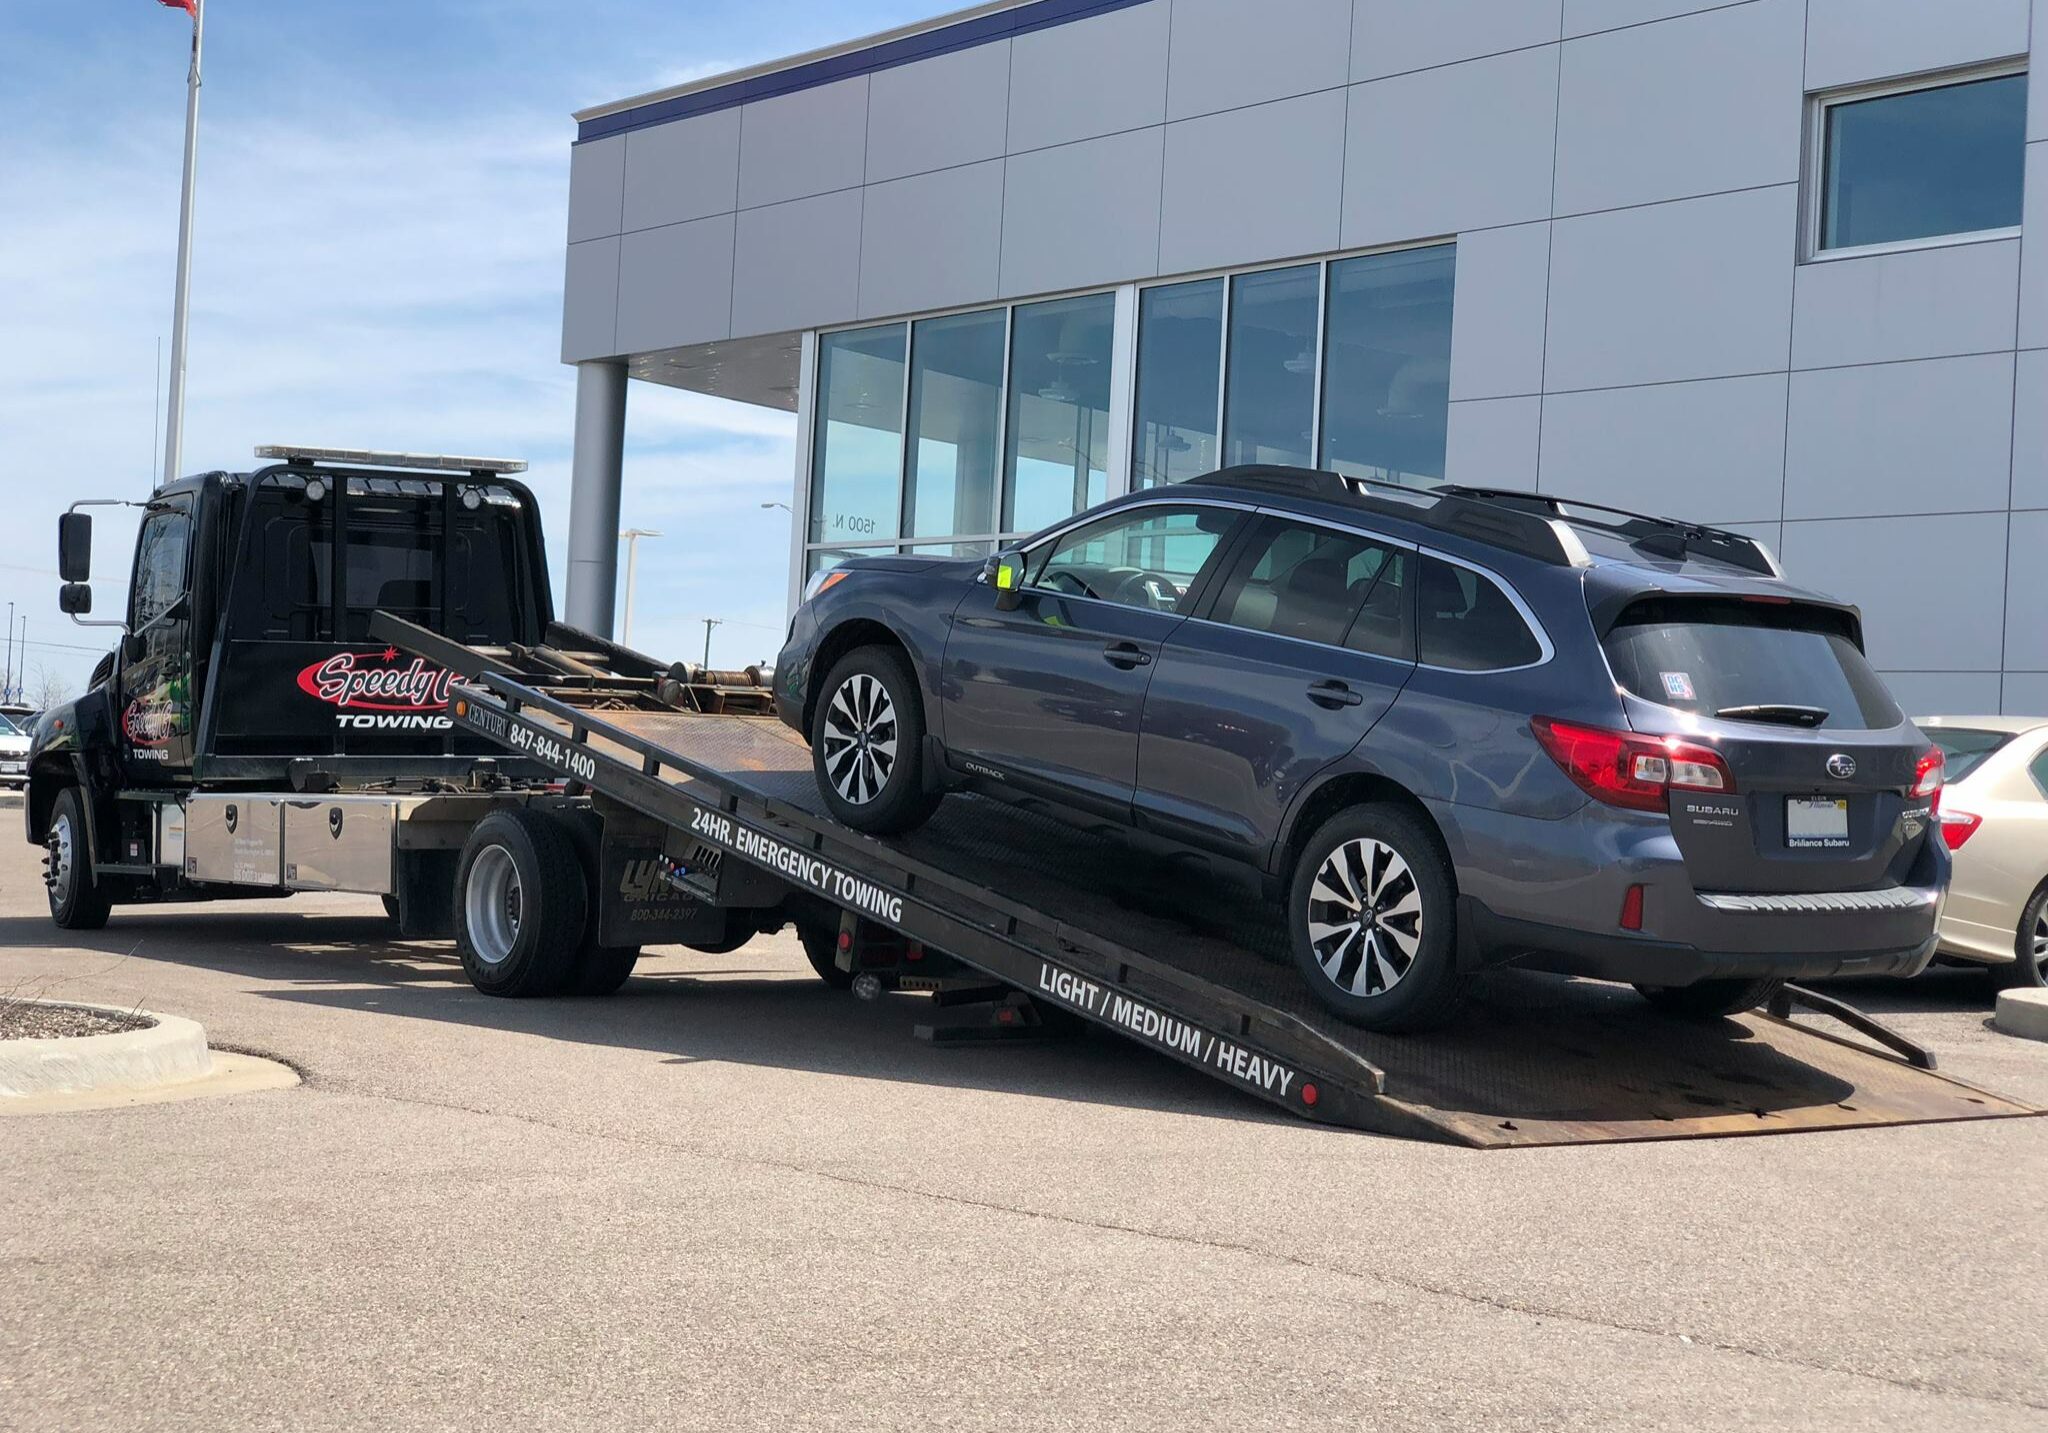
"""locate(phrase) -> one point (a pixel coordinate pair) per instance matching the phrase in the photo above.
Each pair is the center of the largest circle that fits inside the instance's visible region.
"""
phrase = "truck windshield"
(8, 728)
(1786, 664)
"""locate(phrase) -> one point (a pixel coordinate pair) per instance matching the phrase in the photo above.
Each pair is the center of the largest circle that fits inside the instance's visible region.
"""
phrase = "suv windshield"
(1784, 664)
(1965, 748)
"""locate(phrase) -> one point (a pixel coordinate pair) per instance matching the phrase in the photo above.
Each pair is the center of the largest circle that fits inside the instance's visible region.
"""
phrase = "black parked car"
(1453, 727)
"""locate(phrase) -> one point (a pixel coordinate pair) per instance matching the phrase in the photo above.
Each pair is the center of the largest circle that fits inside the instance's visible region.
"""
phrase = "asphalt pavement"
(731, 1198)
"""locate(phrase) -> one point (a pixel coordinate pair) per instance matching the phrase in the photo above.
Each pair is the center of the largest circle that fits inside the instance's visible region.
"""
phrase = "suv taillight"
(1624, 768)
(1928, 774)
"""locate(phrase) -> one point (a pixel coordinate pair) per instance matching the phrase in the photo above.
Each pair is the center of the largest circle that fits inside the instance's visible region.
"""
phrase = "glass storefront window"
(1180, 371)
(1270, 388)
(956, 398)
(859, 442)
(1058, 446)
(1387, 347)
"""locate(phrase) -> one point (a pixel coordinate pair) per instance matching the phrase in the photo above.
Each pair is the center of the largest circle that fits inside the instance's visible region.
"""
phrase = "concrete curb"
(2023, 1013)
(170, 1051)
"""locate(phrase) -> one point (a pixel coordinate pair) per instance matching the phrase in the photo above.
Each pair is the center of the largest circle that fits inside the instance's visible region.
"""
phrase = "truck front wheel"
(519, 905)
(76, 900)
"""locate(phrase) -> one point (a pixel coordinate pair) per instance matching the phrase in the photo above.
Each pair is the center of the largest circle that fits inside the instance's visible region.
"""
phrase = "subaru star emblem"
(1842, 766)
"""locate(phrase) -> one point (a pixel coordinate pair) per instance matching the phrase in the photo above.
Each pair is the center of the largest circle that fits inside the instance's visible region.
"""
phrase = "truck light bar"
(371, 458)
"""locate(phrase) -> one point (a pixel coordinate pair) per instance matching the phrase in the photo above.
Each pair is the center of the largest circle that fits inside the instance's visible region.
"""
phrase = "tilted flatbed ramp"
(1191, 962)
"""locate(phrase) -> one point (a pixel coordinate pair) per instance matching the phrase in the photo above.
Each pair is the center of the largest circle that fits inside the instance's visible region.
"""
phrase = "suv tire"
(1372, 917)
(76, 900)
(520, 905)
(2029, 968)
(867, 743)
(1710, 999)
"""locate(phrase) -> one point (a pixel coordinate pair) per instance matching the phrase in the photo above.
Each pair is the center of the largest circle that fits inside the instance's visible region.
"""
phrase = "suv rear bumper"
(1641, 960)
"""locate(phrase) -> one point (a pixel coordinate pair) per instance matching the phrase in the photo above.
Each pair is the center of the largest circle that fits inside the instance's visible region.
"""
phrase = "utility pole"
(7, 690)
(631, 537)
(709, 623)
(174, 421)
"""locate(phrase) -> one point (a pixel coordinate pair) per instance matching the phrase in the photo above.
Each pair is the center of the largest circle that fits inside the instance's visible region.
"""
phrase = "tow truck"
(555, 801)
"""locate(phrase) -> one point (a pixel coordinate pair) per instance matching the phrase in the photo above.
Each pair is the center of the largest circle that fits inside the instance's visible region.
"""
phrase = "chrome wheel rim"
(60, 857)
(1365, 918)
(493, 904)
(860, 739)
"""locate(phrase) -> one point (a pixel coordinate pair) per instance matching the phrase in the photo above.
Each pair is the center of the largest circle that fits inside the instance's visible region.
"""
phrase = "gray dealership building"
(1776, 264)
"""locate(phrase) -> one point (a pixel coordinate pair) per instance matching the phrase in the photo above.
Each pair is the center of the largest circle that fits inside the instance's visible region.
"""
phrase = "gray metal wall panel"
(1701, 288)
(1713, 450)
(1924, 694)
(948, 110)
(597, 178)
(1922, 303)
(2030, 432)
(1465, 146)
(1391, 37)
(675, 285)
(1851, 41)
(688, 169)
(1223, 57)
(2037, 94)
(2026, 597)
(1586, 17)
(1098, 76)
(931, 241)
(1503, 278)
(1491, 442)
(1698, 105)
(1929, 436)
(1082, 214)
(810, 142)
(590, 300)
(2033, 317)
(2026, 694)
(797, 265)
(1950, 625)
(1253, 184)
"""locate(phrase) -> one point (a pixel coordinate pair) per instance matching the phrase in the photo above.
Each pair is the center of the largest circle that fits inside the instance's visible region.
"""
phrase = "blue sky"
(377, 263)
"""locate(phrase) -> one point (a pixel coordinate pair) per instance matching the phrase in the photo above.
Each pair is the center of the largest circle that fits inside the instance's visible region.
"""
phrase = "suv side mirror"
(1006, 575)
(74, 599)
(74, 549)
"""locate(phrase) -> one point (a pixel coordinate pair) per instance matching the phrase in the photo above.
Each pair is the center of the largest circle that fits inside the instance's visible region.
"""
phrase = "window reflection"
(1948, 160)
(956, 387)
(1180, 369)
(1269, 398)
(1386, 387)
(859, 441)
(1058, 445)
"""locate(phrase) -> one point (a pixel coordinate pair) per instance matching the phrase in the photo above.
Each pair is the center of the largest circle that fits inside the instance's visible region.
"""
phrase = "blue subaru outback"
(1453, 727)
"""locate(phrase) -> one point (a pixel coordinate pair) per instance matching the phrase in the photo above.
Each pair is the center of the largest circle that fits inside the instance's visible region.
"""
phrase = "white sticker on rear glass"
(1678, 686)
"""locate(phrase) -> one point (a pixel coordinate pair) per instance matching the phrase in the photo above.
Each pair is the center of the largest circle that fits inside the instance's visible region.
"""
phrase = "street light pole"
(7, 689)
(631, 537)
(174, 422)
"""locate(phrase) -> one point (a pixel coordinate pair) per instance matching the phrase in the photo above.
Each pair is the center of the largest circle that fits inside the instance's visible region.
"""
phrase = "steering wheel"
(1156, 590)
(1067, 582)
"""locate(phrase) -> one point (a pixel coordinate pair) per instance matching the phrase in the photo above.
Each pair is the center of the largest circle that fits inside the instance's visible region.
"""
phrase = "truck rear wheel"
(520, 905)
(821, 949)
(76, 900)
(602, 969)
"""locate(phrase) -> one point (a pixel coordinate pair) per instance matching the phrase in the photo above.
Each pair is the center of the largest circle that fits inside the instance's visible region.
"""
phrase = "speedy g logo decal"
(380, 691)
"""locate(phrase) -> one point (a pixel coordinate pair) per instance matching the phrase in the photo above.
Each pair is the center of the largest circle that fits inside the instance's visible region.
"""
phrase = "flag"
(188, 6)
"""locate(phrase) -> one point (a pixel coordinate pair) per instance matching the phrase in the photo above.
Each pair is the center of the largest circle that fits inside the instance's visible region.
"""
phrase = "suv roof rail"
(372, 458)
(1536, 525)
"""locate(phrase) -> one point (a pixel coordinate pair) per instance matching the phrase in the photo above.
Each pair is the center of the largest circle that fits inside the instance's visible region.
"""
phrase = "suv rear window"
(1464, 621)
(1783, 663)
(1965, 749)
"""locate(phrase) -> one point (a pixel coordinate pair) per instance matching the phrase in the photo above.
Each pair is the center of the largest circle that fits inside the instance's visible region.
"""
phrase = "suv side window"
(1319, 584)
(1465, 622)
(160, 555)
(1148, 557)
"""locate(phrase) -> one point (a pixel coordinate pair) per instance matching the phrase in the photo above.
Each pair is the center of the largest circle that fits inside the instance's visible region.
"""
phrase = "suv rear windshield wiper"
(1783, 713)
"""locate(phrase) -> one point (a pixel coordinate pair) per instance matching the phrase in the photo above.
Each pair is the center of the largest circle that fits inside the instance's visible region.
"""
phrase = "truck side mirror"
(74, 550)
(133, 648)
(74, 599)
(1006, 575)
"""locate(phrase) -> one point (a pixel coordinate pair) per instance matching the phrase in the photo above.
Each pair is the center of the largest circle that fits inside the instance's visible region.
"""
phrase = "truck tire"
(2029, 968)
(520, 904)
(821, 949)
(1710, 999)
(76, 900)
(1372, 912)
(867, 743)
(602, 969)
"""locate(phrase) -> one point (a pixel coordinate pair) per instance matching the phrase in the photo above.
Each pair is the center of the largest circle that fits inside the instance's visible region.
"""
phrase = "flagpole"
(174, 422)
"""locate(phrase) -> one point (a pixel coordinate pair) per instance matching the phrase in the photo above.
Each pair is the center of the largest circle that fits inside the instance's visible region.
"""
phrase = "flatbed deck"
(1186, 956)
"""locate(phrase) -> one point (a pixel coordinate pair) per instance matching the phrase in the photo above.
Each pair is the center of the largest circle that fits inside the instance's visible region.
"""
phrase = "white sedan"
(1994, 815)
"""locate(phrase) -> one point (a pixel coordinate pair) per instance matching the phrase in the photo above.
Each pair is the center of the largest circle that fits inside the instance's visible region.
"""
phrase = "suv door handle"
(1333, 695)
(1126, 655)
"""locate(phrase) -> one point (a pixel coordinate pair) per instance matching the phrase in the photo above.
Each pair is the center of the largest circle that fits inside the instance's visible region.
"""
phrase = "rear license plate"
(1816, 822)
